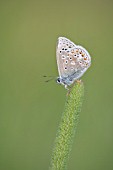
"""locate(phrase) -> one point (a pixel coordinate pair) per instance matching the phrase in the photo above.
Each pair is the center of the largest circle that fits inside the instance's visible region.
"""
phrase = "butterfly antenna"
(48, 80)
(47, 76)
(51, 78)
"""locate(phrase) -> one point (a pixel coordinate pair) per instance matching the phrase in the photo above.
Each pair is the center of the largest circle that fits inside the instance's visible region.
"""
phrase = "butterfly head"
(65, 81)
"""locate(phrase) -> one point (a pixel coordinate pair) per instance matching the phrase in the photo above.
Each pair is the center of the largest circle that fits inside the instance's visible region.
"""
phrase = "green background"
(30, 109)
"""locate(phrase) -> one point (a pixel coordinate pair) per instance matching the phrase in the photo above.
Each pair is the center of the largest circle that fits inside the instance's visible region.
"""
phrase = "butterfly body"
(72, 60)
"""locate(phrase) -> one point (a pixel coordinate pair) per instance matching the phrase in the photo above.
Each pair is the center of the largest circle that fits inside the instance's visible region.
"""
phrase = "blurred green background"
(30, 109)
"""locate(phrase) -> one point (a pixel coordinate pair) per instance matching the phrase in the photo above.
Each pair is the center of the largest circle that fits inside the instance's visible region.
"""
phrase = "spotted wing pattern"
(71, 58)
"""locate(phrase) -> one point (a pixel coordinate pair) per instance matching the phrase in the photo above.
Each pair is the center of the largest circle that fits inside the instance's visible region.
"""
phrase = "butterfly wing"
(72, 60)
(62, 52)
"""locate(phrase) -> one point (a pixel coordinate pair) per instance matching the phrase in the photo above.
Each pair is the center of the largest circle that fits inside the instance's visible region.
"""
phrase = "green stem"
(67, 128)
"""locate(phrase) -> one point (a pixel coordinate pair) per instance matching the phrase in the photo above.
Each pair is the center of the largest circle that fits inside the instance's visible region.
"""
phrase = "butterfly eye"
(58, 80)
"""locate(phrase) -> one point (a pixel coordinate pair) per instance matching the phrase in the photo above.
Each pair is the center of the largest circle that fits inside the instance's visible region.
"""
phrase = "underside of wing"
(72, 60)
(63, 48)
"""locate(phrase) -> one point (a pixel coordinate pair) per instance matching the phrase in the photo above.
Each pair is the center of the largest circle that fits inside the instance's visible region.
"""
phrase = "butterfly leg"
(66, 87)
(69, 89)
(78, 81)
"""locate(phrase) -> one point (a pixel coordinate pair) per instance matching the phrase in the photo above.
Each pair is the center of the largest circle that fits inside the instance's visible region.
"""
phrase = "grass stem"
(67, 127)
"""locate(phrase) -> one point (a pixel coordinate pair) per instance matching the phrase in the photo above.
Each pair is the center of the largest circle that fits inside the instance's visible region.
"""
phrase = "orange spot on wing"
(83, 55)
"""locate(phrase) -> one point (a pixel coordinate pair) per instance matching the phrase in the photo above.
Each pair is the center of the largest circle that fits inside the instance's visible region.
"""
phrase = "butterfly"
(72, 61)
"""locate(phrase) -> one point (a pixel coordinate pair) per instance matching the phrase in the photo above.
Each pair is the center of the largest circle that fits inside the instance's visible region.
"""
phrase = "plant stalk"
(67, 127)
